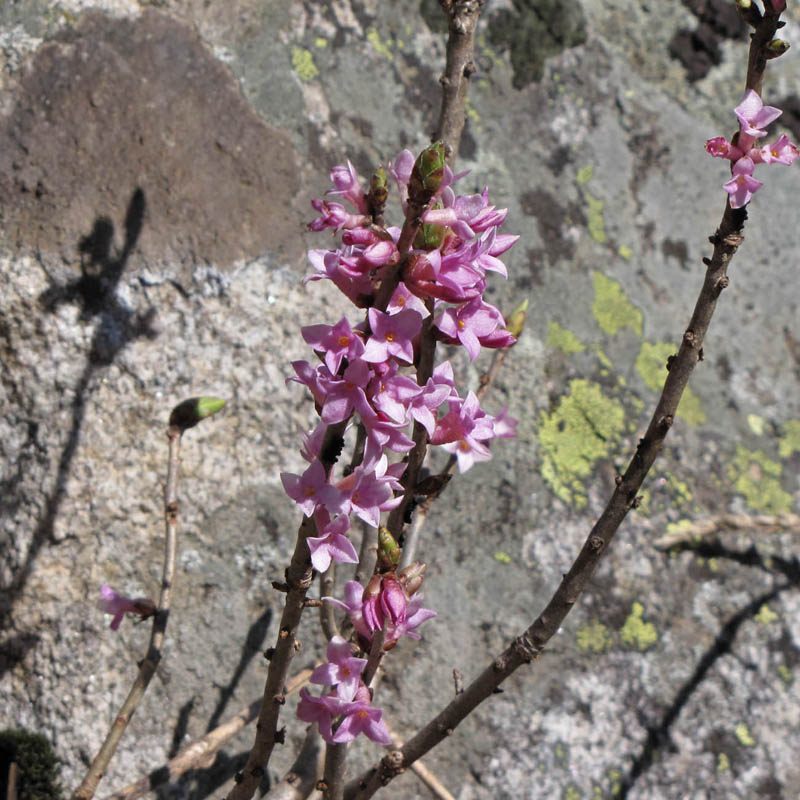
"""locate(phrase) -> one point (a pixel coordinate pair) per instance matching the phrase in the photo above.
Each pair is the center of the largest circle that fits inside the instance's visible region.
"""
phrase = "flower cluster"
(424, 280)
(744, 152)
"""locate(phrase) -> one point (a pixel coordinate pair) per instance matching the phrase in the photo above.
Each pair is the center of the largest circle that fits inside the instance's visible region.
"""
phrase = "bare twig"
(299, 575)
(147, 667)
(202, 752)
(463, 21)
(300, 781)
(703, 528)
(436, 787)
(529, 645)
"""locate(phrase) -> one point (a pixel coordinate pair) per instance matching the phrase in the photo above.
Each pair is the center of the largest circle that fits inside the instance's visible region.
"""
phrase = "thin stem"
(150, 663)
(299, 575)
(335, 765)
(463, 22)
(203, 750)
(327, 616)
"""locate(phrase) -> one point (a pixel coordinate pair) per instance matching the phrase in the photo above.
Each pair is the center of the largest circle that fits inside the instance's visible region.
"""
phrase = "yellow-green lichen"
(585, 174)
(373, 37)
(563, 339)
(594, 637)
(785, 673)
(758, 478)
(503, 558)
(611, 307)
(789, 442)
(472, 112)
(680, 489)
(756, 423)
(765, 615)
(303, 64)
(723, 762)
(651, 366)
(625, 252)
(594, 218)
(572, 792)
(743, 735)
(636, 632)
(561, 753)
(615, 781)
(320, 42)
(583, 427)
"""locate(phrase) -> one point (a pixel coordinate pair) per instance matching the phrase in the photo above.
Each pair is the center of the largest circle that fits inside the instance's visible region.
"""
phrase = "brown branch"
(463, 21)
(148, 667)
(202, 752)
(702, 528)
(299, 575)
(529, 645)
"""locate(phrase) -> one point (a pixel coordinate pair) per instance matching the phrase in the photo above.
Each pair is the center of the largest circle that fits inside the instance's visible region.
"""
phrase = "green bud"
(777, 47)
(426, 177)
(389, 551)
(188, 413)
(378, 193)
(430, 237)
(744, 4)
(516, 322)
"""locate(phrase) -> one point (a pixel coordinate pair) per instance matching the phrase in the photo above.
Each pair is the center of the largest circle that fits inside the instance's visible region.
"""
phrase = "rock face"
(156, 165)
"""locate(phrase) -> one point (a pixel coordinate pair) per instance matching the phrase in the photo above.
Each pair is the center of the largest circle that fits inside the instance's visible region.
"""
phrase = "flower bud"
(411, 577)
(516, 322)
(393, 600)
(430, 237)
(369, 604)
(426, 176)
(777, 47)
(389, 551)
(188, 413)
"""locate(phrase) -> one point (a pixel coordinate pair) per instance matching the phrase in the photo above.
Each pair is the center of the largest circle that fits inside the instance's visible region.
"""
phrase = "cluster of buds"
(744, 152)
(419, 284)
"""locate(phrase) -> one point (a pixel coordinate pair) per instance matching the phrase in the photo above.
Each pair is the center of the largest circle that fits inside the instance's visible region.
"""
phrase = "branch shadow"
(95, 293)
(658, 735)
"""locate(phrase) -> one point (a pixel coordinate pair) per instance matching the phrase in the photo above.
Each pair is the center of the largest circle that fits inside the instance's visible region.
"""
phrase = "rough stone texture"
(156, 166)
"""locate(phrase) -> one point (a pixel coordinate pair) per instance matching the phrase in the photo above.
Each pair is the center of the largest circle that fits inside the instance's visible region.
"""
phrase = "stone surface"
(156, 163)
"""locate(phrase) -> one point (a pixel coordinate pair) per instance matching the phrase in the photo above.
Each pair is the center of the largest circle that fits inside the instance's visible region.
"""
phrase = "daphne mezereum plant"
(376, 385)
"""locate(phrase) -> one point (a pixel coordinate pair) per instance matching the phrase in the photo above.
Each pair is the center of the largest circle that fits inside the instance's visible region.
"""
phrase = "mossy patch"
(594, 637)
(636, 632)
(585, 425)
(756, 424)
(303, 64)
(789, 441)
(563, 339)
(611, 307)
(758, 478)
(651, 366)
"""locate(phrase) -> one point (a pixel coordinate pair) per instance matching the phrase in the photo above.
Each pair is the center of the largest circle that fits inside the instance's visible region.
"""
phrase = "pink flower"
(754, 115)
(468, 324)
(346, 183)
(119, 605)
(331, 544)
(392, 335)
(463, 431)
(335, 341)
(361, 717)
(342, 671)
(321, 710)
(311, 489)
(743, 185)
(782, 152)
(720, 147)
